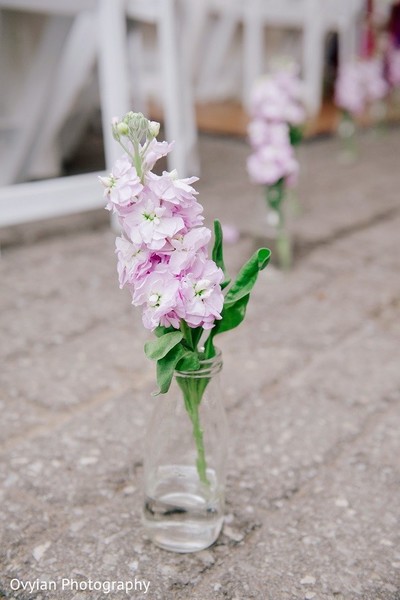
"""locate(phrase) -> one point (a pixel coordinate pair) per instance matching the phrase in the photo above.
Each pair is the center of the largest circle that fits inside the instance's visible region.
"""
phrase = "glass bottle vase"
(185, 462)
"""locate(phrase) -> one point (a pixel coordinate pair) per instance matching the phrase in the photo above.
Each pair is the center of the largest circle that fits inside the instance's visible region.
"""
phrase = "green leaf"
(247, 276)
(295, 134)
(197, 332)
(160, 330)
(160, 347)
(209, 348)
(189, 362)
(218, 253)
(237, 298)
(232, 315)
(166, 367)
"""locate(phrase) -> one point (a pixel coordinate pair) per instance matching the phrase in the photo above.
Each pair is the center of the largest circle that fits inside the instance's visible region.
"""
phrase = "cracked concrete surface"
(312, 382)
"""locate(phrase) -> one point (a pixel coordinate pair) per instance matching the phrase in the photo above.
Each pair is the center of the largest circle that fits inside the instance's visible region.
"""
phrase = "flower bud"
(154, 128)
(138, 126)
(106, 181)
(122, 128)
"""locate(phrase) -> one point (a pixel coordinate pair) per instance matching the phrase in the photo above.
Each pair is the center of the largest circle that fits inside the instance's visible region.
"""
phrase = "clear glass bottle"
(185, 462)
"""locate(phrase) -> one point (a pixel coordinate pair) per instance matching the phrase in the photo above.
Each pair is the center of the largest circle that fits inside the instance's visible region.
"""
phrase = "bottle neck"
(208, 368)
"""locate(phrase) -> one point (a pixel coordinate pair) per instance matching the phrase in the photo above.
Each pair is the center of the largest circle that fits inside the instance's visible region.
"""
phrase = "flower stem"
(192, 393)
(198, 437)
(137, 159)
(283, 244)
(187, 334)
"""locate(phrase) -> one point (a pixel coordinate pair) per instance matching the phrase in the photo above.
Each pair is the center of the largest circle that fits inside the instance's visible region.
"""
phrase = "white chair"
(77, 32)
(217, 74)
(314, 18)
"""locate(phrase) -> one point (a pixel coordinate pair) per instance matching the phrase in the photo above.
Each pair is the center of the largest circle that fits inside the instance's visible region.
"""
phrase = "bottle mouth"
(208, 367)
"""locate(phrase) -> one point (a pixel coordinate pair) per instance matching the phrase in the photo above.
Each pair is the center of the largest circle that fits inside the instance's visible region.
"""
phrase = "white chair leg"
(193, 21)
(349, 32)
(191, 24)
(313, 57)
(172, 87)
(253, 47)
(113, 70)
(215, 55)
(136, 55)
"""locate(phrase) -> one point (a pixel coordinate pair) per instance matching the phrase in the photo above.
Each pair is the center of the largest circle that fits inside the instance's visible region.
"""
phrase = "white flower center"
(201, 287)
(151, 217)
(135, 253)
(154, 300)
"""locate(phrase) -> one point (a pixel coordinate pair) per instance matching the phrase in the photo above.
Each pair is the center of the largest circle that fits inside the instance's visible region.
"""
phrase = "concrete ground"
(312, 381)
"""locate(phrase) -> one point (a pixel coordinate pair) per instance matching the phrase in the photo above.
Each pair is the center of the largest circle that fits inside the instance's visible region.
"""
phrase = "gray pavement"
(312, 382)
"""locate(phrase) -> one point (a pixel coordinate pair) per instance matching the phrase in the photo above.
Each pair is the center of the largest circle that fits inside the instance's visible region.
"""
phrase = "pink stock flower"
(162, 252)
(266, 100)
(270, 163)
(360, 83)
(151, 223)
(187, 247)
(374, 82)
(201, 293)
(393, 66)
(154, 152)
(158, 292)
(288, 80)
(263, 132)
(122, 186)
(133, 261)
(191, 215)
(272, 100)
(275, 104)
(171, 189)
(349, 93)
(295, 114)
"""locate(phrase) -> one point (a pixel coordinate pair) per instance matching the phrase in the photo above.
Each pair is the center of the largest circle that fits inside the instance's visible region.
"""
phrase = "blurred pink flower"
(263, 132)
(289, 80)
(393, 66)
(275, 106)
(374, 82)
(359, 83)
(349, 91)
(270, 163)
(277, 98)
